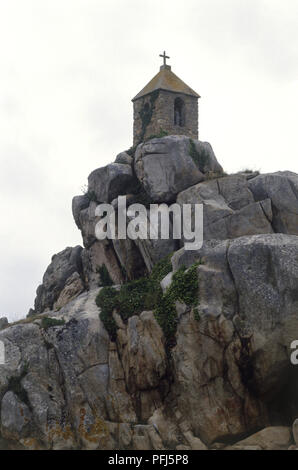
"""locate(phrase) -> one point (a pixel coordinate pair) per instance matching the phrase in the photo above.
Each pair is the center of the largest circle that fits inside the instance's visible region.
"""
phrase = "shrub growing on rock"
(104, 276)
(184, 288)
(133, 297)
(47, 322)
(146, 294)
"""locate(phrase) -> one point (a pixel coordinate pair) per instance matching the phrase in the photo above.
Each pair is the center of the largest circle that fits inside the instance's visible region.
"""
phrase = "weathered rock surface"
(153, 250)
(100, 253)
(207, 160)
(86, 221)
(271, 438)
(72, 288)
(59, 274)
(282, 189)
(15, 417)
(108, 182)
(233, 206)
(247, 321)
(79, 203)
(229, 208)
(124, 158)
(74, 383)
(3, 322)
(228, 374)
(130, 258)
(164, 167)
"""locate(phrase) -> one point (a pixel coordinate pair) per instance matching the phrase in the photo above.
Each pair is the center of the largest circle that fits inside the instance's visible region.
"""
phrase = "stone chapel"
(165, 106)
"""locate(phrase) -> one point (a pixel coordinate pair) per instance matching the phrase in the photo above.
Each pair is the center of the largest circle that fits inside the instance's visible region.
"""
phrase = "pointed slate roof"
(166, 80)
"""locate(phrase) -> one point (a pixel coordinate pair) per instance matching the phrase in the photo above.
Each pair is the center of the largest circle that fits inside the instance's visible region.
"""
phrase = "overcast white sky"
(68, 70)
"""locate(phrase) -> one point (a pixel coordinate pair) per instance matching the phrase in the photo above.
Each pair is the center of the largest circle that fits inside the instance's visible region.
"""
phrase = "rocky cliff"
(180, 349)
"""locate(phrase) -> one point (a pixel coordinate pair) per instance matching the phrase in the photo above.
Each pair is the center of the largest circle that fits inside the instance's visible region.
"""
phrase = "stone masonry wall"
(161, 105)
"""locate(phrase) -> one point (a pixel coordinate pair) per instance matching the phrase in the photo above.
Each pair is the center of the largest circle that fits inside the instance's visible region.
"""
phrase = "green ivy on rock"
(183, 288)
(146, 113)
(146, 294)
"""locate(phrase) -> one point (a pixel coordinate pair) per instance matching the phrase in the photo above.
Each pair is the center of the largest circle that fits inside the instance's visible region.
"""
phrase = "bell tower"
(165, 106)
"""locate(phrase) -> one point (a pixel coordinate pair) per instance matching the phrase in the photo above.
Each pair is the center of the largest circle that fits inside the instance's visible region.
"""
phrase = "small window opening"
(179, 115)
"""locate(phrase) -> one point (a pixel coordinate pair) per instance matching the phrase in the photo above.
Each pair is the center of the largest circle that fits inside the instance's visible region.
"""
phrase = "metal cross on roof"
(165, 57)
